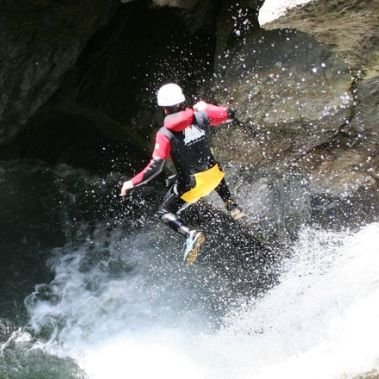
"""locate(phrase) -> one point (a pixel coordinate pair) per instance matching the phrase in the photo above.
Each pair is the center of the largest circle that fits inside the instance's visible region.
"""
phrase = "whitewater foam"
(273, 9)
(320, 321)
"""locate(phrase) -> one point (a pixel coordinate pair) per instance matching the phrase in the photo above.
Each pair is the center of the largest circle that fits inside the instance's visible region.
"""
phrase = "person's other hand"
(232, 114)
(128, 185)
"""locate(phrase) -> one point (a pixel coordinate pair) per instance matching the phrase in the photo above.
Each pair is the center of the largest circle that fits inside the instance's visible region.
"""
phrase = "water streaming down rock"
(325, 318)
(319, 322)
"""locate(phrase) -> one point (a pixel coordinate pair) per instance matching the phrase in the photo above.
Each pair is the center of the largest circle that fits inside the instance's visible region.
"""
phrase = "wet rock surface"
(40, 41)
(304, 101)
(349, 28)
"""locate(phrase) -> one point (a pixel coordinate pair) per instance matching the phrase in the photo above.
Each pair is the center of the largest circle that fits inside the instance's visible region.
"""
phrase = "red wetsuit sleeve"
(162, 148)
(217, 114)
(161, 152)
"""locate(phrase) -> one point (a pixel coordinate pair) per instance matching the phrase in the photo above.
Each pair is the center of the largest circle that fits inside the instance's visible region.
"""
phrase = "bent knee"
(167, 217)
(162, 212)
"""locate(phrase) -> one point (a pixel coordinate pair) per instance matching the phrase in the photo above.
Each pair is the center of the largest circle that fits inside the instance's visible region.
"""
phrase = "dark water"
(30, 227)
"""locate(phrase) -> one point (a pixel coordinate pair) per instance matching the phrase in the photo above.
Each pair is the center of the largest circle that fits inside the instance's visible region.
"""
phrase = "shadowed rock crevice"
(40, 41)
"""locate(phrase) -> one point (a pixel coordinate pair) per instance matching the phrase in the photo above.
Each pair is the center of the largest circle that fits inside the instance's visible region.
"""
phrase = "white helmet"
(169, 95)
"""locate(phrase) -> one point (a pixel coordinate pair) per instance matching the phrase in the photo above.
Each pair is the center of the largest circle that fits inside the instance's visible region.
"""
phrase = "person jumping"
(184, 137)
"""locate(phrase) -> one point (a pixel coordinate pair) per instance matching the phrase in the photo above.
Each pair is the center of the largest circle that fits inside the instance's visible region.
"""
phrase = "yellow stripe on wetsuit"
(206, 182)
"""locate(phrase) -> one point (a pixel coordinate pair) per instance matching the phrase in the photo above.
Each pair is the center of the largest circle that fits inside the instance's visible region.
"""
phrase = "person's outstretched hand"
(128, 185)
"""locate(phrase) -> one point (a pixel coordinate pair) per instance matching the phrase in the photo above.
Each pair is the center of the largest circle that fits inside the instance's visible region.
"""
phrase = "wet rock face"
(299, 102)
(351, 161)
(105, 99)
(291, 94)
(176, 3)
(350, 28)
(40, 41)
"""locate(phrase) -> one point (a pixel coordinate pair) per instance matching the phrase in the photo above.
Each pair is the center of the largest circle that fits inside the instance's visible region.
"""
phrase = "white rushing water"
(320, 321)
(273, 9)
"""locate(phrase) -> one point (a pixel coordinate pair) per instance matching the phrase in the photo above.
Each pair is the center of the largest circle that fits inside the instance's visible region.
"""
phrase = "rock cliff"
(40, 40)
